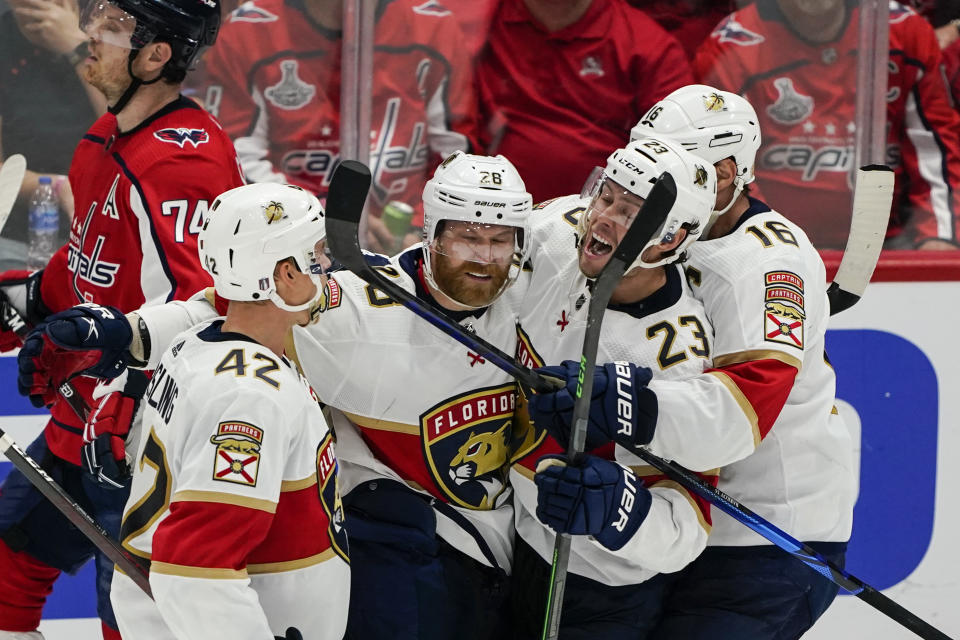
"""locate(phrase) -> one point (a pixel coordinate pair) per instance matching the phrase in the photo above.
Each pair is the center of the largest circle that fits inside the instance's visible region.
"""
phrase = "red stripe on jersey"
(765, 384)
(702, 505)
(210, 535)
(299, 529)
(402, 452)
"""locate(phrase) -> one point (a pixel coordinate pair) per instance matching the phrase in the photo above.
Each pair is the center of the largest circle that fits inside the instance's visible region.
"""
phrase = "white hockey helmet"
(484, 190)
(250, 229)
(709, 123)
(635, 168)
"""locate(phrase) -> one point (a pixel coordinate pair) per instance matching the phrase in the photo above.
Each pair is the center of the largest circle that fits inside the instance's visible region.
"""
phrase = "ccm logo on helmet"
(629, 165)
(626, 499)
(624, 398)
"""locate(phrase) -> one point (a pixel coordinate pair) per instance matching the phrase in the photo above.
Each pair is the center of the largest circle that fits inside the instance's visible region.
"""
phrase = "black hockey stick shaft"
(651, 217)
(350, 254)
(791, 545)
(345, 198)
(73, 512)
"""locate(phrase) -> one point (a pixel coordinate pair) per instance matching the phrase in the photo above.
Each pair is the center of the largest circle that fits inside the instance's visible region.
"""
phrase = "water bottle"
(396, 217)
(44, 225)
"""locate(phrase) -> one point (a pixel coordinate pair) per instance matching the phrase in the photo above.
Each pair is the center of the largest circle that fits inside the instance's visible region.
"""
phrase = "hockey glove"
(622, 408)
(87, 339)
(292, 634)
(107, 430)
(599, 498)
(20, 306)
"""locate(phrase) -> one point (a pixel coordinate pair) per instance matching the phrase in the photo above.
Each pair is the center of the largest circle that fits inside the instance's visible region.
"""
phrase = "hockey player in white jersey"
(613, 588)
(422, 424)
(235, 505)
(765, 411)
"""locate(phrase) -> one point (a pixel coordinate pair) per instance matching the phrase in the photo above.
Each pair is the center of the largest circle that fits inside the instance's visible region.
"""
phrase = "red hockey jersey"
(273, 79)
(804, 94)
(140, 200)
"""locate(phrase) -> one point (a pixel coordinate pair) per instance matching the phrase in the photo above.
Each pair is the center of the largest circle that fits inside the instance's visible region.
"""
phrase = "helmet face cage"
(709, 123)
(633, 170)
(250, 229)
(485, 192)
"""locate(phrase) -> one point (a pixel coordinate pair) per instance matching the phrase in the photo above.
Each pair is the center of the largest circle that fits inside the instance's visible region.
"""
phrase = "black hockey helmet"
(188, 26)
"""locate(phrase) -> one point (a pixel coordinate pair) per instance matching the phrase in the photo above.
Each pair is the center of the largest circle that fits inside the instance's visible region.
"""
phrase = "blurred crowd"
(553, 85)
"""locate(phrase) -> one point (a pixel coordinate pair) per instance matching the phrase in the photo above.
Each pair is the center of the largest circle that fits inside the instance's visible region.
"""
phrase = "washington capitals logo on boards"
(432, 8)
(465, 442)
(181, 136)
(732, 31)
(249, 12)
(791, 106)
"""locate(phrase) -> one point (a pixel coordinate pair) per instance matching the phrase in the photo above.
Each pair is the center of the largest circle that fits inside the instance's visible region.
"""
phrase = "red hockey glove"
(106, 431)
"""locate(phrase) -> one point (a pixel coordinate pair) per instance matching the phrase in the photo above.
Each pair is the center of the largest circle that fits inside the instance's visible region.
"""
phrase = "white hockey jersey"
(766, 412)
(234, 500)
(667, 332)
(409, 403)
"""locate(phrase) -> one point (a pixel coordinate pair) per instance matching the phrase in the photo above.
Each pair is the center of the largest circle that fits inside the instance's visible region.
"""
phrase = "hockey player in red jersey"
(799, 71)
(142, 177)
(274, 82)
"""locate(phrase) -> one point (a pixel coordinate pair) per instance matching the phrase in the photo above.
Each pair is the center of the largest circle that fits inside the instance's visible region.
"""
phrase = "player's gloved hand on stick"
(21, 306)
(292, 634)
(108, 428)
(87, 339)
(622, 408)
(597, 497)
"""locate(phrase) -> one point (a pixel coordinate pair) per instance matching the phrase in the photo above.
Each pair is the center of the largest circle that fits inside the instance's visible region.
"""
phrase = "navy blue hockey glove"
(87, 339)
(622, 408)
(292, 634)
(599, 498)
(108, 427)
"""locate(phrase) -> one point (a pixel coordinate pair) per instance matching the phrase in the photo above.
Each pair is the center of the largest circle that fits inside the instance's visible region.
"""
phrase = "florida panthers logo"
(732, 31)
(466, 441)
(181, 136)
(327, 469)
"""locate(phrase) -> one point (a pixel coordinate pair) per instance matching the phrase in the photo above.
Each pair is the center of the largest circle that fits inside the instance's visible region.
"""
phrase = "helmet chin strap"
(313, 304)
(135, 84)
(737, 190)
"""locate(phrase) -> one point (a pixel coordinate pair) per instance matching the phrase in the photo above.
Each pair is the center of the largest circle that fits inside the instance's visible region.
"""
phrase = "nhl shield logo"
(791, 107)
(465, 441)
(237, 458)
(291, 92)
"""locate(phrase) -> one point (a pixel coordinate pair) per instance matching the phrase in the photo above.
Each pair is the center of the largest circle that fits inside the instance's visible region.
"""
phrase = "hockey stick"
(651, 217)
(345, 198)
(872, 199)
(74, 512)
(11, 177)
(346, 250)
(794, 547)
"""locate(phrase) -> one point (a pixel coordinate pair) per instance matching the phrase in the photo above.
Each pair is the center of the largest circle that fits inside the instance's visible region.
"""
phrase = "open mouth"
(598, 245)
(481, 277)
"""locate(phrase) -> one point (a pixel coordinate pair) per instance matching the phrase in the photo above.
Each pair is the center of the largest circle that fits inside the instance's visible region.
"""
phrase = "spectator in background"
(945, 18)
(45, 106)
(689, 21)
(571, 76)
(273, 79)
(796, 63)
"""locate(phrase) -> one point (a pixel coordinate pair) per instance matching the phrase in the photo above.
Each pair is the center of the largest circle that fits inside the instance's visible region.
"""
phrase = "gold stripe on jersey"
(185, 571)
(670, 484)
(383, 425)
(522, 470)
(756, 354)
(291, 565)
(297, 485)
(225, 498)
(210, 295)
(644, 471)
(741, 399)
(290, 349)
